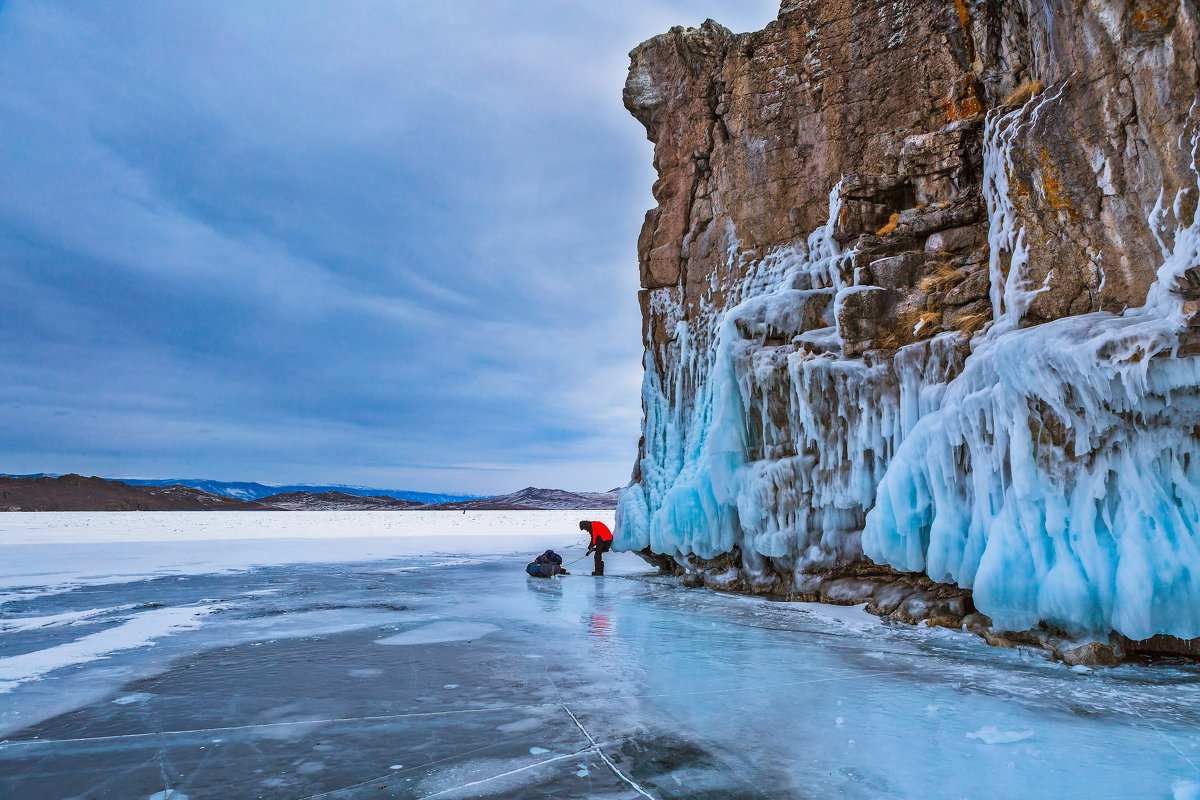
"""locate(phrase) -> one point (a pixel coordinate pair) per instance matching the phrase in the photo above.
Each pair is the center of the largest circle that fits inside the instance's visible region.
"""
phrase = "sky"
(389, 244)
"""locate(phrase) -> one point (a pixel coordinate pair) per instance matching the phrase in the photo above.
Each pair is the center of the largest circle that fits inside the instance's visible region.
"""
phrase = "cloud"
(389, 245)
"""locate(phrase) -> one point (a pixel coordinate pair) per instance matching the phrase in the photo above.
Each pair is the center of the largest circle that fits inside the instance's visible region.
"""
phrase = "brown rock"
(974, 286)
(897, 272)
(956, 239)
(862, 311)
(1091, 654)
(751, 133)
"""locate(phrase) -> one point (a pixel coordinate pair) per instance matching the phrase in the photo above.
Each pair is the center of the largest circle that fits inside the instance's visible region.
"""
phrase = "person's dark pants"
(602, 547)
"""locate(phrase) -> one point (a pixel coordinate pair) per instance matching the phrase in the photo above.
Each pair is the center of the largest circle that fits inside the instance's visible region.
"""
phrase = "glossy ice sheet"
(403, 679)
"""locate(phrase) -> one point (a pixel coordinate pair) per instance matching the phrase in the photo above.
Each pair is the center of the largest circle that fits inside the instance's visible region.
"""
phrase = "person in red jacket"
(600, 543)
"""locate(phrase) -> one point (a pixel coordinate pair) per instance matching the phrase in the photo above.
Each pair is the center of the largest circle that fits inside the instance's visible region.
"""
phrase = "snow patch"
(13, 625)
(129, 699)
(54, 552)
(851, 616)
(140, 631)
(441, 632)
(1185, 790)
(990, 734)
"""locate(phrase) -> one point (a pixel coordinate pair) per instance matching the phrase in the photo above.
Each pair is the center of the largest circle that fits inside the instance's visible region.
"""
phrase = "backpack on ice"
(534, 569)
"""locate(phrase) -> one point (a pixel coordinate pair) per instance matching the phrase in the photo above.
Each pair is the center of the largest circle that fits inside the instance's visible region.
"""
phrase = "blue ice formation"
(1054, 471)
(1060, 481)
(1060, 478)
(726, 463)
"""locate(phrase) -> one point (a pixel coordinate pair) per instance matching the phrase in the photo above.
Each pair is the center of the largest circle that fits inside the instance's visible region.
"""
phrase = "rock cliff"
(917, 300)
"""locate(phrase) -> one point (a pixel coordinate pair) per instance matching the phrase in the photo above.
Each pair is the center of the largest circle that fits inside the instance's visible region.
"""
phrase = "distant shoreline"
(92, 494)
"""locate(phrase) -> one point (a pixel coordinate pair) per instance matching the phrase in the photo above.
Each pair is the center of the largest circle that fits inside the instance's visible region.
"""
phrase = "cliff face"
(922, 270)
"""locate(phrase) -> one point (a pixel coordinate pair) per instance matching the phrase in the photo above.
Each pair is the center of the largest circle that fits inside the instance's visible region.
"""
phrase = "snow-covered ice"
(244, 667)
(439, 632)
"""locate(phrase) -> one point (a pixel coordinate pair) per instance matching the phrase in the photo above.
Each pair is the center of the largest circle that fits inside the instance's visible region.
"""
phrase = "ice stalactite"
(1060, 477)
(756, 435)
(1008, 251)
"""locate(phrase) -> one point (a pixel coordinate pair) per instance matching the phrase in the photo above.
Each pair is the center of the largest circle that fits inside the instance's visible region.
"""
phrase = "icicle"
(774, 452)
(1059, 478)
(1010, 295)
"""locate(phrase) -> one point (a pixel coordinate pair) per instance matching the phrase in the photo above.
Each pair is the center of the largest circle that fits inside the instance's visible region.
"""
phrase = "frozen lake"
(399, 654)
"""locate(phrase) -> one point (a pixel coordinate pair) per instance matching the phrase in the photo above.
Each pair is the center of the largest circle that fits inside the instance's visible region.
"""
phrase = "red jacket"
(600, 531)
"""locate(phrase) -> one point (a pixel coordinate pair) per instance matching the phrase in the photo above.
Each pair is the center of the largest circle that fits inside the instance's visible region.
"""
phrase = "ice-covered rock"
(949, 305)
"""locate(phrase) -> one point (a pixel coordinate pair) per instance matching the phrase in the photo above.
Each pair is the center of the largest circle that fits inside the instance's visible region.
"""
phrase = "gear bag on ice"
(547, 565)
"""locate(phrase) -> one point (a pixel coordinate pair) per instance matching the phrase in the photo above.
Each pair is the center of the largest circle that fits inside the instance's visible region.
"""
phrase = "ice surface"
(142, 630)
(1185, 790)
(282, 691)
(61, 551)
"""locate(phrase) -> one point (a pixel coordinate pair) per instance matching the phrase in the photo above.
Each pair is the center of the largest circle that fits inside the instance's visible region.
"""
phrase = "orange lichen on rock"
(1019, 189)
(964, 17)
(1052, 187)
(963, 101)
(1155, 15)
(892, 222)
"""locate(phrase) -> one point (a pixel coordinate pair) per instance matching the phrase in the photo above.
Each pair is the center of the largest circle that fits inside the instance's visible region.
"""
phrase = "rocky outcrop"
(912, 245)
(338, 501)
(533, 498)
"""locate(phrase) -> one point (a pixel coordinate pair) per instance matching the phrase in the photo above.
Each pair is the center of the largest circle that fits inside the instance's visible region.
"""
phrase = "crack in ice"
(600, 752)
(506, 774)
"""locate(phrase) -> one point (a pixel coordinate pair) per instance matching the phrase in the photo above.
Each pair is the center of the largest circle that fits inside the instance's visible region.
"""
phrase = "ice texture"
(1059, 478)
(142, 630)
(621, 687)
(727, 462)
(1052, 469)
(438, 632)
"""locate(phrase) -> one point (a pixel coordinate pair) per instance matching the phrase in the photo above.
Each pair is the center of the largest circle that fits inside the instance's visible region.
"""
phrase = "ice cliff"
(918, 299)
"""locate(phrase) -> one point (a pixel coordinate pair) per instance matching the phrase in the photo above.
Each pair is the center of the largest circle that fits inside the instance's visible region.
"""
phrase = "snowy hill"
(338, 501)
(548, 499)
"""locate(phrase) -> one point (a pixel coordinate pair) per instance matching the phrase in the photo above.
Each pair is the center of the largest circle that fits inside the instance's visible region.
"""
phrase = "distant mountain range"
(244, 490)
(77, 493)
(46, 492)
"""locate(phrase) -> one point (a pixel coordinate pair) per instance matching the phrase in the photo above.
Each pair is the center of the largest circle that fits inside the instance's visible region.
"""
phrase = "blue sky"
(384, 243)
